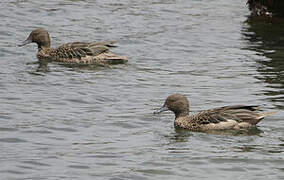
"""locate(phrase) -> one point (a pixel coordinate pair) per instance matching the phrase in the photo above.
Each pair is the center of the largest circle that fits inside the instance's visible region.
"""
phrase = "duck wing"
(79, 50)
(238, 113)
(86, 44)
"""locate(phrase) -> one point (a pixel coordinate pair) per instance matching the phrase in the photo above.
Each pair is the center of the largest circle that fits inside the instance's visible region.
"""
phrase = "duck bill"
(162, 109)
(28, 41)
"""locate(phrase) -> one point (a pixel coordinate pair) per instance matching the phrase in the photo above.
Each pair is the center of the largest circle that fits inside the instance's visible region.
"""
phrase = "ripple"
(105, 156)
(107, 164)
(8, 129)
(12, 140)
(35, 163)
(63, 129)
(79, 167)
(155, 172)
(13, 172)
(37, 132)
(234, 169)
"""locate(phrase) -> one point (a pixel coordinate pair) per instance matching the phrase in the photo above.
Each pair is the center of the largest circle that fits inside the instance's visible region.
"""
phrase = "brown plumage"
(227, 117)
(75, 52)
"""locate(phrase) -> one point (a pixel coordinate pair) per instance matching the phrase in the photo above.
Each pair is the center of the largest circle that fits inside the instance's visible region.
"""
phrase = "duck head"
(176, 103)
(39, 36)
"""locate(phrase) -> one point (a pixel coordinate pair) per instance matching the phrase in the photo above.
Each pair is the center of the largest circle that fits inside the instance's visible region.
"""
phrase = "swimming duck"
(75, 52)
(227, 117)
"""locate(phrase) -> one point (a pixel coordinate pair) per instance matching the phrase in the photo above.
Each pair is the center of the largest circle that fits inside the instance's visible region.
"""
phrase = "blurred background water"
(60, 122)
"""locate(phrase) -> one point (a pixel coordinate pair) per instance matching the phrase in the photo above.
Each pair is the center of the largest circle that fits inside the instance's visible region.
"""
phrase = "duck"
(73, 52)
(233, 117)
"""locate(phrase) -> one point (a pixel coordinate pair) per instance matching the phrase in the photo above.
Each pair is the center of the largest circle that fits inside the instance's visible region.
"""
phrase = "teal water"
(60, 122)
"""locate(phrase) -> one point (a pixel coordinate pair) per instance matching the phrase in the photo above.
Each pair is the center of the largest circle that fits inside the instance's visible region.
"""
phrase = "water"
(60, 122)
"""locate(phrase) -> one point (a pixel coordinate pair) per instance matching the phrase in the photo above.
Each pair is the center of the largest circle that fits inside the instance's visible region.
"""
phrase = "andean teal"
(75, 52)
(227, 117)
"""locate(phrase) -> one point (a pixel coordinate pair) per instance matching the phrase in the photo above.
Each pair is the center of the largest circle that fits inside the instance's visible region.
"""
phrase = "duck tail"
(262, 115)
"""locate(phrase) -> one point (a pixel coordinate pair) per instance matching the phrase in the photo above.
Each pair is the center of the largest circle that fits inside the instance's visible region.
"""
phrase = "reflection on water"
(181, 133)
(242, 132)
(42, 66)
(267, 39)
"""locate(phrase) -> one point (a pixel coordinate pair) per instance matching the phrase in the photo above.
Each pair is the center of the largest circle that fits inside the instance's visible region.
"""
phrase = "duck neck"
(44, 48)
(43, 45)
(44, 52)
(181, 114)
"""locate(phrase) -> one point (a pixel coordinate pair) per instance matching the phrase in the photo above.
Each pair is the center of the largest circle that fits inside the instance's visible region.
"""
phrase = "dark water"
(59, 122)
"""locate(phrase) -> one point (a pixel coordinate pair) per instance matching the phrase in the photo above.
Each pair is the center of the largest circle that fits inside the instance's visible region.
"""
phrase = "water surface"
(61, 122)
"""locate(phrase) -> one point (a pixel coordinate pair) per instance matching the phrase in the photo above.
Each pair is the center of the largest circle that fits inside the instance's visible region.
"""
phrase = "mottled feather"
(73, 51)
